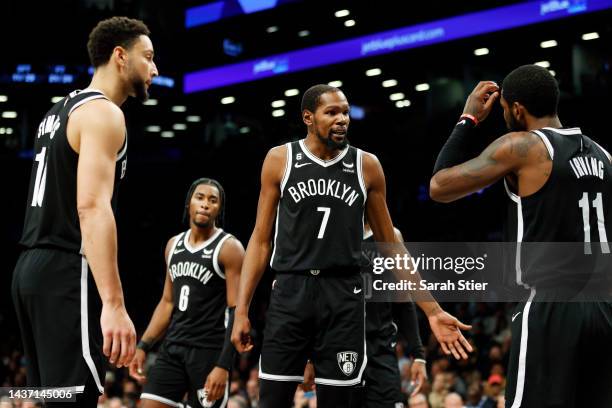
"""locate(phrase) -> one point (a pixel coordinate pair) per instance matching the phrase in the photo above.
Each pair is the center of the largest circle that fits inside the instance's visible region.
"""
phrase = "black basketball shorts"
(315, 315)
(58, 309)
(560, 355)
(381, 380)
(180, 370)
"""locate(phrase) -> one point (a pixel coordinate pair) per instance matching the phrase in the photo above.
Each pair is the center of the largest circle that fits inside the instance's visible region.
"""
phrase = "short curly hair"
(112, 32)
(533, 87)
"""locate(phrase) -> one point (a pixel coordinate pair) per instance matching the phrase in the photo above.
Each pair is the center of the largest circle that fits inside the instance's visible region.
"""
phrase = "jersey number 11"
(601, 224)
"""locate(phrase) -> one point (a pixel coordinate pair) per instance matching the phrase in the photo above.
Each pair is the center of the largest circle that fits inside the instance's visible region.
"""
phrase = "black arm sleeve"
(228, 353)
(404, 315)
(459, 147)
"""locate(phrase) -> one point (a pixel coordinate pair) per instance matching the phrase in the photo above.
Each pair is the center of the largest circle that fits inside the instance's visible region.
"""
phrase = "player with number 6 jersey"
(196, 311)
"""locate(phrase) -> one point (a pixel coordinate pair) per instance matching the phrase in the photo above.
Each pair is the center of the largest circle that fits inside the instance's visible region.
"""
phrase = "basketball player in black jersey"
(196, 310)
(384, 321)
(318, 188)
(560, 186)
(69, 235)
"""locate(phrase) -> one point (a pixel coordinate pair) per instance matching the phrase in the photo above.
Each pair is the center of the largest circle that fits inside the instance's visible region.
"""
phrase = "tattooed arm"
(507, 155)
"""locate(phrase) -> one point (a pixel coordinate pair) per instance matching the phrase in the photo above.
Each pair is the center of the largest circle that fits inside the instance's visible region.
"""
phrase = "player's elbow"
(85, 209)
(90, 208)
(436, 192)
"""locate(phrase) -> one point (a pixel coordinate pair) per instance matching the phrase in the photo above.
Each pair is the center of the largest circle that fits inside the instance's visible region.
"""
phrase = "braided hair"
(219, 221)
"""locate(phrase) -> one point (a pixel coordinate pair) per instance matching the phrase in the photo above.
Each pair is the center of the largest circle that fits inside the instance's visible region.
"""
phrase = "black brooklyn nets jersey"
(574, 206)
(198, 291)
(379, 315)
(319, 221)
(51, 216)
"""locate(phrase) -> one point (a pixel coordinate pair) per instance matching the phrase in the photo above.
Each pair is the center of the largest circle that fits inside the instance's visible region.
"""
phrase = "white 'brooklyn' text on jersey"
(198, 291)
(319, 220)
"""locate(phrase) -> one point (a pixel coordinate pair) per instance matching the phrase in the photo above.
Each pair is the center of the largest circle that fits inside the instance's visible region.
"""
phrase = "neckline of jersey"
(91, 90)
(568, 131)
(203, 244)
(319, 161)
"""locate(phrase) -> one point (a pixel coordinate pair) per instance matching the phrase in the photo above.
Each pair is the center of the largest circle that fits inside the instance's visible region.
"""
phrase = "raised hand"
(480, 102)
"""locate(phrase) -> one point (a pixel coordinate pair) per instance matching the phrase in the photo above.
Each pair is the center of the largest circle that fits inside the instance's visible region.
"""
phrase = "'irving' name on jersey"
(587, 166)
(323, 187)
(192, 270)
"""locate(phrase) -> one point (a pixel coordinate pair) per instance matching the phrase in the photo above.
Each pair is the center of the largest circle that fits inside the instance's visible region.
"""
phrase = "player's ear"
(307, 117)
(518, 110)
(120, 55)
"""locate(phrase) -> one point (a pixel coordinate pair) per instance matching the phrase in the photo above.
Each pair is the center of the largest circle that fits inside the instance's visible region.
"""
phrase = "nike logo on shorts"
(514, 315)
(356, 290)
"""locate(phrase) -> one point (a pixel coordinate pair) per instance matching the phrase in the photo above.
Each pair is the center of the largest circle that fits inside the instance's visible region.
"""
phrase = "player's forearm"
(446, 186)
(404, 314)
(99, 234)
(459, 146)
(254, 265)
(429, 307)
(159, 322)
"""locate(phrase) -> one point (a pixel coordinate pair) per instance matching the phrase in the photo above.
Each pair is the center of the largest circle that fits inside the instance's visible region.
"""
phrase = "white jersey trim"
(273, 377)
(76, 388)
(146, 395)
(226, 394)
(519, 233)
(360, 174)
(287, 172)
(522, 363)
(512, 196)
(364, 363)
(173, 247)
(85, 326)
(519, 239)
(84, 101)
(275, 233)
(320, 162)
(215, 258)
(203, 244)
(549, 147)
(123, 151)
(603, 150)
(569, 131)
(368, 234)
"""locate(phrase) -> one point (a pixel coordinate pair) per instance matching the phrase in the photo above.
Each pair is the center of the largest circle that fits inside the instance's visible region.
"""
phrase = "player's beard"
(328, 141)
(139, 87)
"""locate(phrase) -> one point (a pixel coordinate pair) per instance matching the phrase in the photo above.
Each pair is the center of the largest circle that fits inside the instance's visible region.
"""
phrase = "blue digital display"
(420, 35)
(163, 81)
(62, 74)
(221, 9)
